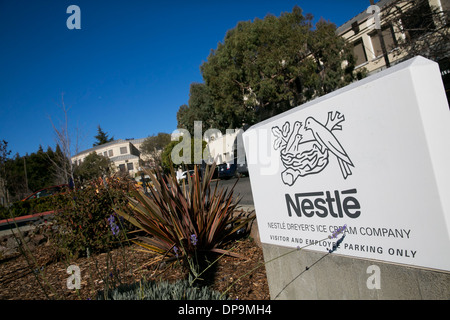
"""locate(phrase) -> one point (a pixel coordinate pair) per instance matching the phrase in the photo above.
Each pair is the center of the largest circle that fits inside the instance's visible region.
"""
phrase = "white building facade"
(123, 154)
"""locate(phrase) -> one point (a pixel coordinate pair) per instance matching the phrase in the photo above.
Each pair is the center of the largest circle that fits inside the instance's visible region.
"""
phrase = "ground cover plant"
(162, 290)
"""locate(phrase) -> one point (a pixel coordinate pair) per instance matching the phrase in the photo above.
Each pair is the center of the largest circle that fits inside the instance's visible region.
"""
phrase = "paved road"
(242, 188)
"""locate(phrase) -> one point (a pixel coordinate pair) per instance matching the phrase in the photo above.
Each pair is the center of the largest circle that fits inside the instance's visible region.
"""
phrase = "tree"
(102, 137)
(93, 166)
(4, 154)
(37, 173)
(184, 144)
(16, 178)
(62, 164)
(154, 145)
(29, 173)
(200, 108)
(268, 66)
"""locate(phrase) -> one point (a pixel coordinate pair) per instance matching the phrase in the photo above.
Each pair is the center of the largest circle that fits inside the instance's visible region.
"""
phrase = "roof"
(136, 141)
(361, 17)
(124, 157)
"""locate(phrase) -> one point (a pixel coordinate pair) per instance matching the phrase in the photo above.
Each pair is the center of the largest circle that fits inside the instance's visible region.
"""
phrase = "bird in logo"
(327, 140)
(294, 137)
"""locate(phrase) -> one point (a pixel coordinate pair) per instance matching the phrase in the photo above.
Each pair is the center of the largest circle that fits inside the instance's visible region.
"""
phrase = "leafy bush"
(85, 218)
(23, 208)
(179, 290)
(185, 221)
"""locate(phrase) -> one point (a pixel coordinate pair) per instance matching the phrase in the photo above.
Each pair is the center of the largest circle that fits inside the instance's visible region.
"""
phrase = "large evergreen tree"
(101, 137)
(200, 108)
(31, 172)
(4, 154)
(268, 66)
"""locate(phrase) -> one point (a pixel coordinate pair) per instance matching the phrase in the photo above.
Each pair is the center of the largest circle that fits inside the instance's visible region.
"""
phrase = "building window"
(123, 150)
(389, 40)
(359, 52)
(122, 167)
(418, 20)
(355, 27)
(105, 154)
(130, 166)
(110, 152)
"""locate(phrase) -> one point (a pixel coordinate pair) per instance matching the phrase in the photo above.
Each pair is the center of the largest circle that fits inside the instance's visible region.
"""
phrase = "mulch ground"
(39, 276)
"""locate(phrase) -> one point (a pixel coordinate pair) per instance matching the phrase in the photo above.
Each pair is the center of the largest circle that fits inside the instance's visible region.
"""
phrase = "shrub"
(179, 290)
(185, 221)
(23, 208)
(85, 218)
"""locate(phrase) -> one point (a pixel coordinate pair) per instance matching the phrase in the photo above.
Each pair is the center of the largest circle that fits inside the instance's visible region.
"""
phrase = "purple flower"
(194, 239)
(337, 244)
(175, 249)
(112, 224)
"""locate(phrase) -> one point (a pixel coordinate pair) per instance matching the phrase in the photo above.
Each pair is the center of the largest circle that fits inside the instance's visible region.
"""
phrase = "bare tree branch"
(423, 29)
(63, 164)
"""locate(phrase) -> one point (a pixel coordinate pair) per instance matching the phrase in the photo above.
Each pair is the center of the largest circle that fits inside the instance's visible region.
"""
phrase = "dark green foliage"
(92, 167)
(29, 173)
(200, 108)
(166, 158)
(265, 67)
(4, 154)
(102, 137)
(182, 146)
(179, 290)
(83, 218)
(155, 142)
(23, 208)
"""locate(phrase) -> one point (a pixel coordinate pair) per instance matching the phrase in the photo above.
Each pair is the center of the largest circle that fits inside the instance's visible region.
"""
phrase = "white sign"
(374, 156)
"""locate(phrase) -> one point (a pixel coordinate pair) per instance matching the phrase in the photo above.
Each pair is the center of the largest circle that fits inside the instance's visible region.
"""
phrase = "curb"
(30, 216)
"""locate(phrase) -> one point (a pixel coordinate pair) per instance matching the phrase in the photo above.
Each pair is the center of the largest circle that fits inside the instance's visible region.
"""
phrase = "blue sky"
(128, 69)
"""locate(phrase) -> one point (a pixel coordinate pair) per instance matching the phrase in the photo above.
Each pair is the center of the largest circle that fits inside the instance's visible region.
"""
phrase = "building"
(125, 155)
(360, 31)
(224, 148)
(400, 23)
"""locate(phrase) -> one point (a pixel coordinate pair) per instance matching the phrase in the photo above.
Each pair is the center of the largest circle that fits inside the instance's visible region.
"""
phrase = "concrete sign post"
(373, 156)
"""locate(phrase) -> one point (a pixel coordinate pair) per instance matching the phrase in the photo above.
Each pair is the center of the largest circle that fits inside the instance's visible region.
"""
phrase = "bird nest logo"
(306, 149)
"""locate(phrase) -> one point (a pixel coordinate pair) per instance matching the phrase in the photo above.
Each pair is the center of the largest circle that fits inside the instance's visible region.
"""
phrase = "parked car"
(233, 168)
(49, 191)
(242, 168)
(227, 170)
